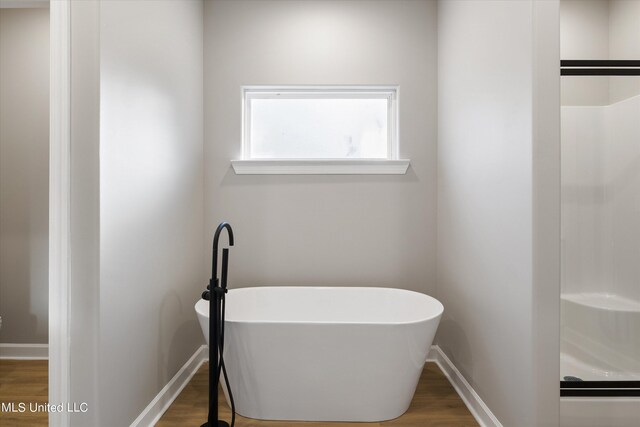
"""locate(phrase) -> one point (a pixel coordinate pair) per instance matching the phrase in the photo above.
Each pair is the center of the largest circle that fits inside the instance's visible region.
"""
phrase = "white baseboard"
(477, 407)
(24, 351)
(159, 405)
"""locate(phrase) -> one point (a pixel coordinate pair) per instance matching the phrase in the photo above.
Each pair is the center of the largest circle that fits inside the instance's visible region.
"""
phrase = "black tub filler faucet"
(215, 293)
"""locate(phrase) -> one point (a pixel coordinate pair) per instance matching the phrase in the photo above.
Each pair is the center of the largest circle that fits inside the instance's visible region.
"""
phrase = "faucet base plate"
(220, 424)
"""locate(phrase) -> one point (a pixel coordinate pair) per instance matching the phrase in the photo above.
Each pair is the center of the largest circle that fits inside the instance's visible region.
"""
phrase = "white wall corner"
(59, 207)
(170, 392)
(475, 404)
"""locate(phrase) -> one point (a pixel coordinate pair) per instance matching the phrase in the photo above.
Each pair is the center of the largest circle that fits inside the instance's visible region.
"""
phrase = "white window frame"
(392, 164)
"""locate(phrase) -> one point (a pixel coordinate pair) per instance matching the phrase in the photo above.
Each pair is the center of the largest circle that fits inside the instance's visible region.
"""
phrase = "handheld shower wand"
(215, 293)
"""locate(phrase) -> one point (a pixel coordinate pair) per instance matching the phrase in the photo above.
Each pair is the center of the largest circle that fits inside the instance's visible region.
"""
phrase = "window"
(304, 123)
(311, 129)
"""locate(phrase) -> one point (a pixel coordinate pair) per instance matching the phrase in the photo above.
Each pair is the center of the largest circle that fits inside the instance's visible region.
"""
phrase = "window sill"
(320, 167)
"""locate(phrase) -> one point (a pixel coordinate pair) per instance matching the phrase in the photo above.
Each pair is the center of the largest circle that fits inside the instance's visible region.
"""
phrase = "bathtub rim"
(201, 303)
(602, 301)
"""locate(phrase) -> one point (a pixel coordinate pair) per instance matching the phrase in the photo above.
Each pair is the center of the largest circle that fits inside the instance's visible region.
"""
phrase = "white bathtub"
(325, 354)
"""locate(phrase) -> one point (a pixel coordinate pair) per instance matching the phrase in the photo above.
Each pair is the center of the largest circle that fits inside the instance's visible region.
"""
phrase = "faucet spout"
(214, 263)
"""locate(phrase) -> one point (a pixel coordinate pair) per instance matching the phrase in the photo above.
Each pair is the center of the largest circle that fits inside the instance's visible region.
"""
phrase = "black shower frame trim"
(581, 67)
(594, 392)
(600, 388)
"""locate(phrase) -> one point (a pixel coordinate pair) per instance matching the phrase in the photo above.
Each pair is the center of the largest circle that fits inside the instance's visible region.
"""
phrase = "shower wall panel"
(601, 199)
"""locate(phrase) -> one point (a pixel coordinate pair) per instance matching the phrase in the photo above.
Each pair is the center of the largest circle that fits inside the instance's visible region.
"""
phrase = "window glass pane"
(318, 128)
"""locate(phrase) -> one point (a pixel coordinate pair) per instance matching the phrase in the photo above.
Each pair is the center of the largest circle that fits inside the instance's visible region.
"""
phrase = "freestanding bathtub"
(325, 353)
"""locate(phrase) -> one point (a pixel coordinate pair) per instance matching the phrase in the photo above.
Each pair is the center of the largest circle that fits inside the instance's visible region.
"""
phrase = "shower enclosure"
(600, 299)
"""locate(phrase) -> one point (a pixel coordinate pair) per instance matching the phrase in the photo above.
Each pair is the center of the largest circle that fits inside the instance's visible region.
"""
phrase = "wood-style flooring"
(24, 381)
(435, 404)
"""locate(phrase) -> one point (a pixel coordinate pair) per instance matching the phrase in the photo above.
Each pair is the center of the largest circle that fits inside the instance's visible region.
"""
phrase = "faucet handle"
(225, 267)
(206, 295)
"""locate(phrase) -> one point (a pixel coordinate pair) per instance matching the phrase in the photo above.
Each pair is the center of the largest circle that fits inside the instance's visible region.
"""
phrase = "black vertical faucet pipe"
(216, 296)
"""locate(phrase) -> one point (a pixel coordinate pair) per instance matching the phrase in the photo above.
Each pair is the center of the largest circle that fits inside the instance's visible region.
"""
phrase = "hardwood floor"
(435, 404)
(23, 381)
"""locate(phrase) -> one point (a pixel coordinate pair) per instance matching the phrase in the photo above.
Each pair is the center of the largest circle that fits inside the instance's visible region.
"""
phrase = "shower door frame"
(600, 68)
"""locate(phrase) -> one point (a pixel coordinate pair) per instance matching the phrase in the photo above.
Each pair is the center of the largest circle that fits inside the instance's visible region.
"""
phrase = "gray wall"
(151, 199)
(498, 216)
(24, 174)
(324, 230)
